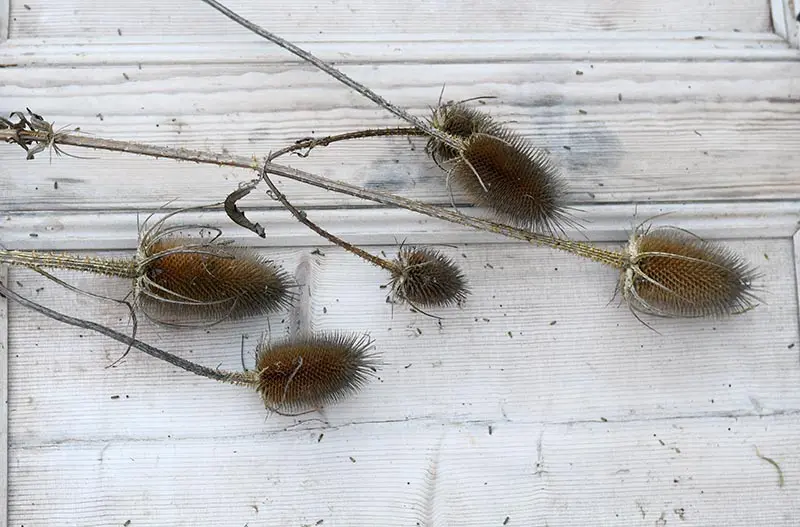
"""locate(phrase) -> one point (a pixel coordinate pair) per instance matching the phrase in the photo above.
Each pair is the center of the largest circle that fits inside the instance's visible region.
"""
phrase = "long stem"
(611, 258)
(122, 268)
(336, 74)
(360, 134)
(240, 378)
(302, 218)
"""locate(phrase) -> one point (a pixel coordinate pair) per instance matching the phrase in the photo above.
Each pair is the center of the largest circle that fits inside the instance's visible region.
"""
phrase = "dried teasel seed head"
(671, 272)
(186, 279)
(427, 278)
(309, 372)
(460, 121)
(519, 182)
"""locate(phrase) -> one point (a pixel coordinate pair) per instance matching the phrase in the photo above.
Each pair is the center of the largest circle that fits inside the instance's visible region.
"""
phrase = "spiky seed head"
(427, 278)
(519, 182)
(187, 280)
(671, 272)
(312, 371)
(459, 121)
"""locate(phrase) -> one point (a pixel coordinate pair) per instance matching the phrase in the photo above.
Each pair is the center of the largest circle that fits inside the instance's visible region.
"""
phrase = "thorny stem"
(302, 218)
(121, 268)
(336, 74)
(24, 137)
(240, 378)
(310, 143)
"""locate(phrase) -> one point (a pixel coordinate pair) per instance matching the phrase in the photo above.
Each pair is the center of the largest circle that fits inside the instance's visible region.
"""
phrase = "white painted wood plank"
(381, 226)
(405, 48)
(681, 131)
(5, 11)
(541, 346)
(3, 401)
(683, 472)
(796, 239)
(80, 19)
(785, 15)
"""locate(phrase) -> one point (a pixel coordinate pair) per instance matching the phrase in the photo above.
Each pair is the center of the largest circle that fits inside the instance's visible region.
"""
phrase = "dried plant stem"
(25, 137)
(122, 268)
(336, 74)
(310, 143)
(240, 378)
(302, 218)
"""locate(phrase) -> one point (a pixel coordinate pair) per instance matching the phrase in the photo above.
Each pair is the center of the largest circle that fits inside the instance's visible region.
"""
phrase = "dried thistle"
(618, 260)
(181, 280)
(312, 371)
(497, 168)
(671, 272)
(420, 277)
(425, 277)
(305, 372)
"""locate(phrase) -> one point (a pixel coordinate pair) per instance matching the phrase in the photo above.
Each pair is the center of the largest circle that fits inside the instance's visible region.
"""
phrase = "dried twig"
(31, 136)
(336, 74)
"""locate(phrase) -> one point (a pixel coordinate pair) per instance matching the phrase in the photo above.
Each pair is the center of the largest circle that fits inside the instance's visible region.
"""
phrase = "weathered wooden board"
(84, 19)
(622, 132)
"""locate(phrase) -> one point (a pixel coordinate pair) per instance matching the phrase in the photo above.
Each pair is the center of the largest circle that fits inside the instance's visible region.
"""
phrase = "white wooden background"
(537, 403)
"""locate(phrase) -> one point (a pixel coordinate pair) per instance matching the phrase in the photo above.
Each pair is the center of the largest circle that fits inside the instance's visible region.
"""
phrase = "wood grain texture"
(685, 471)
(5, 11)
(3, 400)
(784, 20)
(632, 46)
(543, 351)
(84, 19)
(37, 230)
(681, 131)
(594, 418)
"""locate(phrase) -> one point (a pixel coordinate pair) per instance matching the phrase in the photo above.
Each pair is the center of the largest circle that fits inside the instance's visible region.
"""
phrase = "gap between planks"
(437, 48)
(784, 20)
(51, 230)
(4, 400)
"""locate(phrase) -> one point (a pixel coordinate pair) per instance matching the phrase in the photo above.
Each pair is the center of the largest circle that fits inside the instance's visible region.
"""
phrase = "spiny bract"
(311, 371)
(671, 272)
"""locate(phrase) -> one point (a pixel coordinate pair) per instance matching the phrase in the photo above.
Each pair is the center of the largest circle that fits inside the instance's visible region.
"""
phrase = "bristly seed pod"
(500, 169)
(310, 372)
(427, 278)
(671, 272)
(459, 121)
(183, 280)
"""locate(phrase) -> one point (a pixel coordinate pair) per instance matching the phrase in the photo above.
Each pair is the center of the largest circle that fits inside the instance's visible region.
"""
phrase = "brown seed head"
(671, 272)
(309, 372)
(459, 121)
(427, 278)
(517, 181)
(187, 279)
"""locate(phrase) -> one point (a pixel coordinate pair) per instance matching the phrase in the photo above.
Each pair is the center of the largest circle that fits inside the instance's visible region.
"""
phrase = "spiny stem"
(122, 268)
(245, 378)
(611, 258)
(336, 74)
(302, 218)
(360, 134)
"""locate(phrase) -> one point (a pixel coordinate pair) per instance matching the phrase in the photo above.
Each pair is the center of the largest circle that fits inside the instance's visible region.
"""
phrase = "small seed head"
(671, 272)
(310, 372)
(459, 121)
(427, 278)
